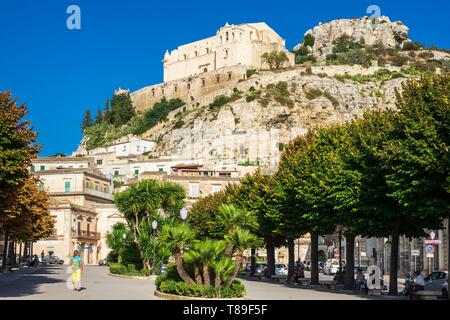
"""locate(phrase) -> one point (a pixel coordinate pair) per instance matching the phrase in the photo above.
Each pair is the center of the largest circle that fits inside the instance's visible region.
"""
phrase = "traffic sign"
(415, 252)
(429, 249)
(430, 255)
(433, 241)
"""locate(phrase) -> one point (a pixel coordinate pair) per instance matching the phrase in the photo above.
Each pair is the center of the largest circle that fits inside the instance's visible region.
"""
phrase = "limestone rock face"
(369, 29)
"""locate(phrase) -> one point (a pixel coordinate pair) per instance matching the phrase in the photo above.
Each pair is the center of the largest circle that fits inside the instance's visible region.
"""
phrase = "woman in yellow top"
(77, 266)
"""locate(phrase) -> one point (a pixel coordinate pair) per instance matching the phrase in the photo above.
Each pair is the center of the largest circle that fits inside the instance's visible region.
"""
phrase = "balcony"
(85, 235)
(99, 194)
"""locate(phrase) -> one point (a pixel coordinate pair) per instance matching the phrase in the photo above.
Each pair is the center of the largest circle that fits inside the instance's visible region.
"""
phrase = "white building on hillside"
(124, 147)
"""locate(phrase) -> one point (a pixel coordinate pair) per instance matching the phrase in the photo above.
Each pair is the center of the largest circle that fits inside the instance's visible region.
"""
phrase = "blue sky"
(60, 73)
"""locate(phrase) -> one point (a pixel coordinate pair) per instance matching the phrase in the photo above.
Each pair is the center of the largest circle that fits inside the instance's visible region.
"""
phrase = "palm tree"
(222, 269)
(241, 239)
(233, 217)
(178, 237)
(201, 255)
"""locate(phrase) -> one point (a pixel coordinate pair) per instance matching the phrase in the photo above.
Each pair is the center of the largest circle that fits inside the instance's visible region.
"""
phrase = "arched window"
(218, 78)
(229, 75)
(226, 53)
(185, 56)
(207, 50)
(162, 90)
(196, 53)
(175, 88)
(153, 92)
(226, 36)
(233, 35)
(203, 82)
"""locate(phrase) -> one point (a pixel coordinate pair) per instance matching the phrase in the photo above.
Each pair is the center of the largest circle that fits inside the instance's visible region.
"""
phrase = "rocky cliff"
(370, 30)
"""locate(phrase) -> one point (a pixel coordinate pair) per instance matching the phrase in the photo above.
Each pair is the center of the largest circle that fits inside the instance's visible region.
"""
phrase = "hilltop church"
(196, 69)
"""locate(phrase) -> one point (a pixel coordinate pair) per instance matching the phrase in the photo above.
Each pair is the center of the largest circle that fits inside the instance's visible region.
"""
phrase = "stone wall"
(188, 89)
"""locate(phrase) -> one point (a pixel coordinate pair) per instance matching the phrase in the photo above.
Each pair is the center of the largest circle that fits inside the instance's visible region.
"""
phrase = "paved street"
(50, 283)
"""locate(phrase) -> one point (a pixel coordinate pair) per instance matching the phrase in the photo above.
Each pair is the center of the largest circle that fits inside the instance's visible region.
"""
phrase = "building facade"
(75, 193)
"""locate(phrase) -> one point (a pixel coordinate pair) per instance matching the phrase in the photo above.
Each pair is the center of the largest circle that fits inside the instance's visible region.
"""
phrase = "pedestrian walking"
(301, 273)
(419, 281)
(359, 281)
(77, 267)
(409, 283)
(42, 256)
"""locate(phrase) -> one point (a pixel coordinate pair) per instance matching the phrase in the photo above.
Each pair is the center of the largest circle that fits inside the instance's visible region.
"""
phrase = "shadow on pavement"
(28, 284)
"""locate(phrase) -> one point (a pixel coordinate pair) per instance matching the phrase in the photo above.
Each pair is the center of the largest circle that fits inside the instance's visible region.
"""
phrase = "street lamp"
(124, 236)
(154, 226)
(339, 229)
(183, 214)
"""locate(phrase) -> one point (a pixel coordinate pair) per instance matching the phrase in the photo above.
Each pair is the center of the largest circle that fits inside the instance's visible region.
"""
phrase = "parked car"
(52, 260)
(445, 290)
(259, 268)
(281, 269)
(102, 262)
(436, 280)
(332, 266)
(248, 266)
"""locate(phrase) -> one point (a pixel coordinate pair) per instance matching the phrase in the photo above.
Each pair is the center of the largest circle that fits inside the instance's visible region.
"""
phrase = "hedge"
(129, 270)
(236, 289)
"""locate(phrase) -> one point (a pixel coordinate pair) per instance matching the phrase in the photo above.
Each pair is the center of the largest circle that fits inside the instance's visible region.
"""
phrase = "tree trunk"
(229, 250)
(270, 248)
(12, 252)
(180, 268)
(206, 276)
(291, 259)
(20, 252)
(314, 258)
(198, 277)
(393, 290)
(253, 262)
(5, 249)
(349, 262)
(217, 281)
(448, 251)
(237, 265)
(32, 247)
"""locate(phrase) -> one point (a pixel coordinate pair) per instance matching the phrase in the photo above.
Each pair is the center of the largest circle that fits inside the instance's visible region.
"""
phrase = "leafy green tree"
(115, 240)
(260, 194)
(122, 109)
(87, 120)
(17, 148)
(275, 59)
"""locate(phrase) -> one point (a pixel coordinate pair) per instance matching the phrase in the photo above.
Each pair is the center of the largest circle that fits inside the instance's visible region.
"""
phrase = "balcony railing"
(83, 234)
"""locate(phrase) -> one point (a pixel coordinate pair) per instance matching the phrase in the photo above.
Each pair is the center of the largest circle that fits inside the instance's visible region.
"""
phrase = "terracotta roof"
(63, 159)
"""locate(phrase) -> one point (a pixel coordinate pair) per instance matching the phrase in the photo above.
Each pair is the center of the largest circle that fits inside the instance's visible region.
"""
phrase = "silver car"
(281, 269)
(435, 281)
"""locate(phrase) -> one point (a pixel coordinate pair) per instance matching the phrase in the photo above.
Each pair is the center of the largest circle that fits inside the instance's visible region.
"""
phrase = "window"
(88, 184)
(88, 227)
(138, 148)
(226, 53)
(33, 169)
(99, 162)
(226, 36)
(42, 168)
(96, 186)
(193, 190)
(196, 53)
(207, 50)
(67, 186)
(229, 76)
(124, 148)
(189, 86)
(79, 226)
(161, 169)
(162, 91)
(136, 172)
(105, 189)
(153, 92)
(116, 172)
(175, 88)
(217, 79)
(215, 188)
(185, 56)
(203, 82)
